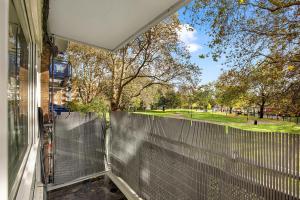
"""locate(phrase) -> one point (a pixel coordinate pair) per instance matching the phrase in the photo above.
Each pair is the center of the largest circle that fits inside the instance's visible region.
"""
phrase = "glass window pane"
(17, 97)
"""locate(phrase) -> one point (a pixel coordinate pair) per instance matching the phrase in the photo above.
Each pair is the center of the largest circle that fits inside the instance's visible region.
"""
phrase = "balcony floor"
(101, 188)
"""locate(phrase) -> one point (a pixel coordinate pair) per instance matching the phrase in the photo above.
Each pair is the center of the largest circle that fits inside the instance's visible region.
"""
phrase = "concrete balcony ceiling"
(108, 24)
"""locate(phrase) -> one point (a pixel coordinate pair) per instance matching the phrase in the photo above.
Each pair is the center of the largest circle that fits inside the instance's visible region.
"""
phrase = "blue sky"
(197, 43)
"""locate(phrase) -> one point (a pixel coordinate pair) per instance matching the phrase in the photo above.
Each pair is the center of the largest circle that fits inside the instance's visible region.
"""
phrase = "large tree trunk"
(230, 110)
(115, 100)
(114, 106)
(262, 109)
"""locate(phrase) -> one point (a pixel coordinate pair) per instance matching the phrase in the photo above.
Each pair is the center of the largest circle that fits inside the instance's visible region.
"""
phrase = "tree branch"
(278, 5)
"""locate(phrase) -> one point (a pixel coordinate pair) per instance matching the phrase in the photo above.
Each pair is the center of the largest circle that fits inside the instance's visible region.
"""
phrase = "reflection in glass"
(17, 98)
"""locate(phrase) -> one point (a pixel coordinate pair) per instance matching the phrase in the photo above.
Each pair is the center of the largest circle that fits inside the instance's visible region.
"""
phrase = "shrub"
(98, 106)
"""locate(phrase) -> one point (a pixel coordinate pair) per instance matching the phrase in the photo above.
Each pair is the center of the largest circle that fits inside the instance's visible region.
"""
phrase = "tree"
(260, 85)
(90, 77)
(231, 86)
(172, 99)
(166, 98)
(157, 57)
(187, 94)
(161, 103)
(204, 96)
(148, 98)
(288, 102)
(266, 82)
(250, 31)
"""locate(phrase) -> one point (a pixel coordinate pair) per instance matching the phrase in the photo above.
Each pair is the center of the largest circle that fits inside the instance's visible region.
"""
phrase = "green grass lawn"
(266, 125)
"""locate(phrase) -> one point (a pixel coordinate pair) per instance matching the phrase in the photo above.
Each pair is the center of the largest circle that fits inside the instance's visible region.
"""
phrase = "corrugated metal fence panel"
(79, 146)
(166, 158)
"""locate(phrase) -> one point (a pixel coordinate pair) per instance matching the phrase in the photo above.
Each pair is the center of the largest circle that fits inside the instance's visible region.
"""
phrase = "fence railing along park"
(166, 158)
(79, 147)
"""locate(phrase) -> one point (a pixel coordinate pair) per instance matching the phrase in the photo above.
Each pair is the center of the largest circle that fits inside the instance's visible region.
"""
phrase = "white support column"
(4, 9)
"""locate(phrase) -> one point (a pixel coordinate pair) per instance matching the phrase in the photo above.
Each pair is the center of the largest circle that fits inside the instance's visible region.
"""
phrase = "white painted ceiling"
(108, 24)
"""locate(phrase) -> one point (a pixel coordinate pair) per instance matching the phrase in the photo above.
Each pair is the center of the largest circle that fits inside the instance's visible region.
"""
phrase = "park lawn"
(159, 113)
(286, 127)
(264, 125)
(214, 117)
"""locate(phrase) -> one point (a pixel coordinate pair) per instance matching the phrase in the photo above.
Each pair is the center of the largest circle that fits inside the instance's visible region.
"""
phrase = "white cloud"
(193, 47)
(188, 35)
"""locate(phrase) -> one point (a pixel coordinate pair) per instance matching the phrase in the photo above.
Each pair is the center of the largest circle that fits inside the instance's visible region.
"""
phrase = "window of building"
(17, 97)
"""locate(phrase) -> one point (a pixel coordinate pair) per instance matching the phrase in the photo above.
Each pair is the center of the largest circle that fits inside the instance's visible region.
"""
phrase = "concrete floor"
(101, 188)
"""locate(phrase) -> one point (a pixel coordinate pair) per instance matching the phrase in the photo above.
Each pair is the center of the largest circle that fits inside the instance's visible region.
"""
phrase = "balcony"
(165, 158)
(83, 156)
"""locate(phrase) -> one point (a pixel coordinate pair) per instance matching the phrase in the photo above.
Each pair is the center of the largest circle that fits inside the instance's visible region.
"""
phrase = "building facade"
(20, 46)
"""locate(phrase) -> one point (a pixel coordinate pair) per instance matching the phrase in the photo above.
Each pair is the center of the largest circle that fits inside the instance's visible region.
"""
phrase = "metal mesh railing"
(166, 158)
(79, 148)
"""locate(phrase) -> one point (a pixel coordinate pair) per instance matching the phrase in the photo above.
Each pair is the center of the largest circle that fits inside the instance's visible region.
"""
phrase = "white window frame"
(25, 180)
